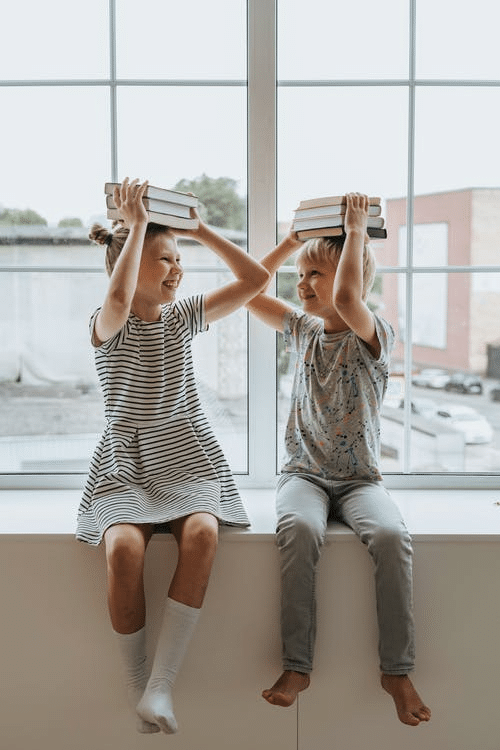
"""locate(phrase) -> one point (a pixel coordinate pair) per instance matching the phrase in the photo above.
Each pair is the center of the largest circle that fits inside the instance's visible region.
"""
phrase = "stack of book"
(324, 217)
(167, 207)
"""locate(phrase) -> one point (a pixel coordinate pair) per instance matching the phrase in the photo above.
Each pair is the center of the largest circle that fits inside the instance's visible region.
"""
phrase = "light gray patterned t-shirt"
(334, 425)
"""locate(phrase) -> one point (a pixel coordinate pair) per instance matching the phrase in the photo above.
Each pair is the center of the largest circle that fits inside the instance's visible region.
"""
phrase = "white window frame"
(262, 190)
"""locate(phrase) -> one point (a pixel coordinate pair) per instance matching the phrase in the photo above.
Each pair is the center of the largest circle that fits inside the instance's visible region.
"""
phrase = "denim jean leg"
(369, 510)
(302, 510)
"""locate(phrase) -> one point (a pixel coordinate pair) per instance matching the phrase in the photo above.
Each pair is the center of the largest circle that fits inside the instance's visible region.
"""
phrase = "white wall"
(61, 680)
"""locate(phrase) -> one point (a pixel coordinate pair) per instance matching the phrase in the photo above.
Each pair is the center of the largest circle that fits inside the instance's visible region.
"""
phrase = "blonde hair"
(328, 250)
(115, 238)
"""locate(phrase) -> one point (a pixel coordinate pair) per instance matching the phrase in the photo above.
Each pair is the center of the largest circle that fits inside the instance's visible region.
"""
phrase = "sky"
(55, 141)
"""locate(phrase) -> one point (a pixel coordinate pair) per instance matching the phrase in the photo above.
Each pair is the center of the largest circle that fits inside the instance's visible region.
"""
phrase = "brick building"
(456, 316)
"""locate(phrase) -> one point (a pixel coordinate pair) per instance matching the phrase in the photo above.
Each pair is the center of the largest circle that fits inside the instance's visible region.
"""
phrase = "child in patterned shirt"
(331, 468)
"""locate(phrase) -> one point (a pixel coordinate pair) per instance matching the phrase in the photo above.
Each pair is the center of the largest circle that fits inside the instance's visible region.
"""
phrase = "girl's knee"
(201, 530)
(125, 548)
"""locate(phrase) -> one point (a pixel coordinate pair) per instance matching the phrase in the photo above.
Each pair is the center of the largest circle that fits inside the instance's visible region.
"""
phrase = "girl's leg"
(196, 536)
(125, 550)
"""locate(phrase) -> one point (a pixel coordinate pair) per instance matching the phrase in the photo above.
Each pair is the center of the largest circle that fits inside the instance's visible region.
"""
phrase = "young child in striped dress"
(158, 460)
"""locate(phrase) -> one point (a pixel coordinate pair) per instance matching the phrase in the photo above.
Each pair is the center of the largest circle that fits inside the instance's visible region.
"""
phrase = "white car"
(474, 426)
(431, 378)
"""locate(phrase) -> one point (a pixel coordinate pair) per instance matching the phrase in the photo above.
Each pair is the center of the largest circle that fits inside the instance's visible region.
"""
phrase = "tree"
(16, 216)
(70, 222)
(220, 204)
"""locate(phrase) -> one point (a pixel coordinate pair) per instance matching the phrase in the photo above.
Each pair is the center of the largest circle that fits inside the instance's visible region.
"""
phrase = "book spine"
(160, 194)
(334, 200)
(166, 220)
(333, 221)
(159, 206)
(309, 234)
(319, 211)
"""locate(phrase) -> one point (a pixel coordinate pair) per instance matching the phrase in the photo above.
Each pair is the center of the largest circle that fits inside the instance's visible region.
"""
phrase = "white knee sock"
(155, 706)
(132, 648)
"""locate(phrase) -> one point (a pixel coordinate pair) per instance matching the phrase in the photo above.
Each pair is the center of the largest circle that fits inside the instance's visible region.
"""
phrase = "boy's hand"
(292, 235)
(128, 200)
(357, 213)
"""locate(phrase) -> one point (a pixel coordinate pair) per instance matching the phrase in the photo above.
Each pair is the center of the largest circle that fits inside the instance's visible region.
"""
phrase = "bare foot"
(285, 689)
(411, 710)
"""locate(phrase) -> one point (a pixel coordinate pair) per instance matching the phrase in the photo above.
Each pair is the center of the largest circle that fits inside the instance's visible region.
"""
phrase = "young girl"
(157, 460)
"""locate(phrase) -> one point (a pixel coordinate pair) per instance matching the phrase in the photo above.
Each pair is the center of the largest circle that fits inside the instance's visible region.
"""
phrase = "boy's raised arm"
(265, 307)
(348, 286)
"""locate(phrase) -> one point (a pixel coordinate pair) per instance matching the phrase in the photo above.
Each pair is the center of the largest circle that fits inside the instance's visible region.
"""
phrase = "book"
(166, 220)
(333, 221)
(162, 207)
(308, 234)
(333, 210)
(162, 194)
(333, 200)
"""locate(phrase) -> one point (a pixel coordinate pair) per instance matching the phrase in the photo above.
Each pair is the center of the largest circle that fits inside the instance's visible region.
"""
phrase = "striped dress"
(157, 459)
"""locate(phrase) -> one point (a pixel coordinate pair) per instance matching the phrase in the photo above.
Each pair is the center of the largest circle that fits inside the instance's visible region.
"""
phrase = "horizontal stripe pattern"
(158, 458)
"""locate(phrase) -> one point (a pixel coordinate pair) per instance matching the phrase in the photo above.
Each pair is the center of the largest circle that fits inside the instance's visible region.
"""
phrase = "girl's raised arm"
(265, 307)
(123, 281)
(251, 277)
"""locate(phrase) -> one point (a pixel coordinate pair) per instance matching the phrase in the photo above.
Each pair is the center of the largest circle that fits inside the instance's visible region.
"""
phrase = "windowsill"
(430, 514)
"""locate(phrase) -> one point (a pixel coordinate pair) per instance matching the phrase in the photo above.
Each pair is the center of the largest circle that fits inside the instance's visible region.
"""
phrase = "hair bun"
(100, 235)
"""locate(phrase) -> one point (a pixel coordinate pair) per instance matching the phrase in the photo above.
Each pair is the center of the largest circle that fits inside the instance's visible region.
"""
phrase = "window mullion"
(261, 233)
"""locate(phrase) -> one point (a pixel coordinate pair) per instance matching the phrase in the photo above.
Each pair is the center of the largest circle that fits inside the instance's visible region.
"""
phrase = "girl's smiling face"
(160, 271)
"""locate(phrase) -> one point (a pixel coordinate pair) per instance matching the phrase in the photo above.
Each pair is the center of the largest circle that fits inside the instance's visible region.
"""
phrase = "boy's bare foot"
(411, 710)
(285, 689)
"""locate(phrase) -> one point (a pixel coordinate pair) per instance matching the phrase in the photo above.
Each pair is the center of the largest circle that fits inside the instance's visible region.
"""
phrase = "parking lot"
(478, 457)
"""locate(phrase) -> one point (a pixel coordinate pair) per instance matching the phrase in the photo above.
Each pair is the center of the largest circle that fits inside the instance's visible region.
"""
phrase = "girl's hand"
(190, 232)
(128, 200)
(357, 212)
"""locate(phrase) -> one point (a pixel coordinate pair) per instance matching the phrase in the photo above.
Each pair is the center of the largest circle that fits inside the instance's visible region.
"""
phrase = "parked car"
(463, 382)
(474, 426)
(495, 393)
(424, 407)
(431, 377)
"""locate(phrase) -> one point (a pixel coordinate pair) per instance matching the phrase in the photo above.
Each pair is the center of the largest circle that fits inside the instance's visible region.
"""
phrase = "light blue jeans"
(304, 504)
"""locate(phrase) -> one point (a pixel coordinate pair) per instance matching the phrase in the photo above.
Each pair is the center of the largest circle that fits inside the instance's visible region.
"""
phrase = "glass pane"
(55, 39)
(196, 39)
(51, 409)
(455, 419)
(317, 39)
(456, 159)
(189, 145)
(286, 290)
(58, 155)
(356, 140)
(457, 40)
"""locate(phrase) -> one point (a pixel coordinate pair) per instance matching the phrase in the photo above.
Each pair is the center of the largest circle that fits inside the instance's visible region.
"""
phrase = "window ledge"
(430, 514)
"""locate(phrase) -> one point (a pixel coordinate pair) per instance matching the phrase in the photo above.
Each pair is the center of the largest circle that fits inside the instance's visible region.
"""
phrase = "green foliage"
(220, 204)
(70, 222)
(17, 216)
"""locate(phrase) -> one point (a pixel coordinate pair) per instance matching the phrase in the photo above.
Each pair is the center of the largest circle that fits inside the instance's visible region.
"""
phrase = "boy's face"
(315, 286)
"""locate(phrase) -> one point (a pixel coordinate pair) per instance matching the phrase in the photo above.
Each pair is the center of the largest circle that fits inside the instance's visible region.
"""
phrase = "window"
(402, 103)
